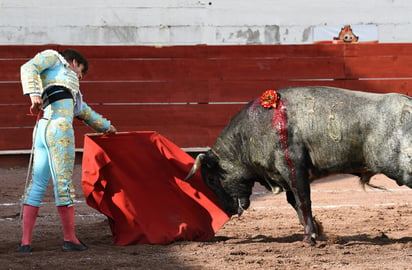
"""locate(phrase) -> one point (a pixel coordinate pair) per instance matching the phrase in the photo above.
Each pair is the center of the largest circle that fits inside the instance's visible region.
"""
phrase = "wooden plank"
(148, 69)
(378, 67)
(273, 51)
(187, 91)
(146, 91)
(12, 93)
(127, 69)
(132, 69)
(280, 68)
(214, 51)
(244, 91)
(402, 86)
(200, 69)
(238, 91)
(149, 117)
(377, 49)
(124, 92)
(10, 69)
(16, 138)
(103, 51)
(16, 116)
(23, 51)
(197, 51)
(154, 52)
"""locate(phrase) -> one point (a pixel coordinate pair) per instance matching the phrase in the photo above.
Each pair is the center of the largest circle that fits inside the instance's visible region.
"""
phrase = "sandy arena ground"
(363, 230)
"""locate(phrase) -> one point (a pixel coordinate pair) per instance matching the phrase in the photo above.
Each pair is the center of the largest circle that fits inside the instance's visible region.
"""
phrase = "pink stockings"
(29, 219)
(67, 218)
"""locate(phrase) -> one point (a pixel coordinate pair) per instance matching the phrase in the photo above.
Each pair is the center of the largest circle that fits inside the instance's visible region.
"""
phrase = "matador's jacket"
(46, 69)
(54, 150)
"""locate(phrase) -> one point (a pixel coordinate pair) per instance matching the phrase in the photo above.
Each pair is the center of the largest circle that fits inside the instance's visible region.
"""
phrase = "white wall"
(188, 22)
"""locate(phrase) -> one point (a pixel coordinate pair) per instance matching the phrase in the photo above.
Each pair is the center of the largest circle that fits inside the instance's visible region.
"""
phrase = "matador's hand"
(36, 104)
(112, 130)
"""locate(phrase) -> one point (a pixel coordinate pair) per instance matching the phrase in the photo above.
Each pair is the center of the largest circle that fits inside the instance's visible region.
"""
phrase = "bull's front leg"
(299, 197)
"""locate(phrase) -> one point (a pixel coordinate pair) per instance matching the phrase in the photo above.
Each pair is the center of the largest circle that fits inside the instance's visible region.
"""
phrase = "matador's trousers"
(53, 155)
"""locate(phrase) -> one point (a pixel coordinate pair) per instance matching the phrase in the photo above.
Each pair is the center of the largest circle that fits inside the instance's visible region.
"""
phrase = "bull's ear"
(196, 166)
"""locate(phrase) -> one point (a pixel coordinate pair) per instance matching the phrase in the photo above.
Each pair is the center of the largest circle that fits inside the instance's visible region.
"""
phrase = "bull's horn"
(196, 166)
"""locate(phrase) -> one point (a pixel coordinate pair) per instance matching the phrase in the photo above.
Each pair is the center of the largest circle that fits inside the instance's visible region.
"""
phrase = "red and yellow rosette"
(269, 99)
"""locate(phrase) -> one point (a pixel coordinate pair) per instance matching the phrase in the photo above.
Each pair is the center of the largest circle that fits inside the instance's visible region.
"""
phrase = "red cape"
(135, 179)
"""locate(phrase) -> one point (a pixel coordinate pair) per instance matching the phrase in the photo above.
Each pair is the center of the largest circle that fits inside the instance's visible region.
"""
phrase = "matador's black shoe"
(70, 246)
(24, 249)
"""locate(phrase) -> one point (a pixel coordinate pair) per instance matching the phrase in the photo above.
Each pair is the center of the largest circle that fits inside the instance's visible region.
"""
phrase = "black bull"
(313, 132)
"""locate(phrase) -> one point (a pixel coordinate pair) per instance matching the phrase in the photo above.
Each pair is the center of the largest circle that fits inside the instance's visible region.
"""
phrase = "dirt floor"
(363, 230)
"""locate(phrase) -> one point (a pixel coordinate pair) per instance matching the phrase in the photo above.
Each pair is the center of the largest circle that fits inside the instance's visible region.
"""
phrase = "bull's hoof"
(309, 241)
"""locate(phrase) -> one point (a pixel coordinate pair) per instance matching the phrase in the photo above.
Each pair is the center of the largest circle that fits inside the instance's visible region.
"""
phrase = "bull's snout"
(234, 205)
(244, 203)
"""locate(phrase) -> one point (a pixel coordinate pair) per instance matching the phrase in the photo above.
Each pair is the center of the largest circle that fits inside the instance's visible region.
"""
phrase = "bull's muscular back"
(334, 130)
(344, 129)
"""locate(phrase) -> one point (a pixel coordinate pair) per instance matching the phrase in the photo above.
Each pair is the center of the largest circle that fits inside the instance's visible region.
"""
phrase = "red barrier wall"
(189, 93)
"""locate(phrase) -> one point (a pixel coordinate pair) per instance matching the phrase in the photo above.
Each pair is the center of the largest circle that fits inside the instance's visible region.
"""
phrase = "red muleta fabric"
(135, 179)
